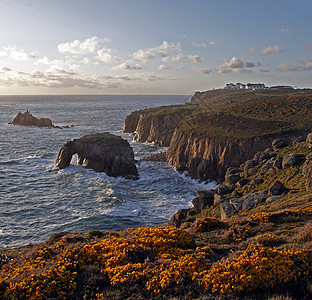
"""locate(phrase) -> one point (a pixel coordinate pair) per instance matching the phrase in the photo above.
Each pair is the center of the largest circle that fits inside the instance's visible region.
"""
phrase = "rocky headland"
(27, 119)
(251, 238)
(102, 152)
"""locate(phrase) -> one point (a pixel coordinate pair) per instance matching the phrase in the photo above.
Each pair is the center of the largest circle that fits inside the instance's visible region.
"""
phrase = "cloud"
(286, 30)
(14, 53)
(6, 69)
(105, 56)
(147, 54)
(270, 50)
(163, 67)
(195, 58)
(77, 47)
(177, 58)
(204, 45)
(202, 70)
(308, 46)
(126, 66)
(306, 65)
(143, 55)
(236, 65)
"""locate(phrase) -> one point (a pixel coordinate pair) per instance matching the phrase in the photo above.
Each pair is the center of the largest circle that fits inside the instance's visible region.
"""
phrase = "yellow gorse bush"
(257, 268)
(154, 258)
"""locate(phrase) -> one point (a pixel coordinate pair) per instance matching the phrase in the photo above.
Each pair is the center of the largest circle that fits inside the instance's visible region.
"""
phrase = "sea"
(37, 200)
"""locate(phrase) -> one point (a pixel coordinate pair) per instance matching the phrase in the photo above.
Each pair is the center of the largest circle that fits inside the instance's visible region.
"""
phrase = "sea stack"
(102, 152)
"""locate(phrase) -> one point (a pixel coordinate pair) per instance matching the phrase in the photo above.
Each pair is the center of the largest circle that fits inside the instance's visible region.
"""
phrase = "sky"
(152, 47)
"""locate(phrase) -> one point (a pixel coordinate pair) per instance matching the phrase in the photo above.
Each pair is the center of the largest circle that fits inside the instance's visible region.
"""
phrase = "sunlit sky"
(152, 47)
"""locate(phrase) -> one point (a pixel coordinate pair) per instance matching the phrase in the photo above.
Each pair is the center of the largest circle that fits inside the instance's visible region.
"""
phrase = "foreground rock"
(102, 152)
(27, 119)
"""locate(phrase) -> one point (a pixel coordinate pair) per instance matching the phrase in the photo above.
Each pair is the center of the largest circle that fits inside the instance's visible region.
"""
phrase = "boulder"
(253, 199)
(179, 217)
(102, 152)
(226, 210)
(237, 203)
(242, 182)
(277, 188)
(27, 119)
(274, 198)
(260, 156)
(205, 198)
(231, 171)
(299, 139)
(278, 163)
(232, 179)
(223, 190)
(291, 160)
(249, 164)
(279, 143)
(309, 140)
(307, 171)
(257, 181)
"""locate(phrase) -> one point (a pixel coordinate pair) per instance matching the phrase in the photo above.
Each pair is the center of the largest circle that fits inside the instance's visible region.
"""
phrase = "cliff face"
(205, 158)
(149, 126)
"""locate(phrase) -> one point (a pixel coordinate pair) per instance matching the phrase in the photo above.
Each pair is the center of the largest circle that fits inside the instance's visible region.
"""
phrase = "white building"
(255, 86)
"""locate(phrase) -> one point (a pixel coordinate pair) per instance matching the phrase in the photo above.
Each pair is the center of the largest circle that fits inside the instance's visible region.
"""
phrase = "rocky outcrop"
(102, 152)
(206, 158)
(27, 119)
(154, 126)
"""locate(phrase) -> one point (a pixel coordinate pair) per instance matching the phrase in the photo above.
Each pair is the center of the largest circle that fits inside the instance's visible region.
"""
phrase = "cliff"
(156, 125)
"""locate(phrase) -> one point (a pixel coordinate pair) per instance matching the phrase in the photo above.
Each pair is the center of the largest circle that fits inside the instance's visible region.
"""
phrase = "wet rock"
(277, 188)
(226, 210)
(279, 143)
(27, 119)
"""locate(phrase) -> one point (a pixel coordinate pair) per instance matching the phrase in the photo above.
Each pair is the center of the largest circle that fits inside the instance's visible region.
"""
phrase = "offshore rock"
(27, 119)
(102, 152)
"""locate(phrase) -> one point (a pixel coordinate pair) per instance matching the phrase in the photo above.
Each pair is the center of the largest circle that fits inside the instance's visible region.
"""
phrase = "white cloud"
(126, 66)
(147, 54)
(204, 45)
(77, 47)
(202, 70)
(306, 65)
(177, 58)
(105, 56)
(163, 67)
(286, 30)
(236, 65)
(143, 55)
(14, 53)
(6, 69)
(195, 58)
(270, 50)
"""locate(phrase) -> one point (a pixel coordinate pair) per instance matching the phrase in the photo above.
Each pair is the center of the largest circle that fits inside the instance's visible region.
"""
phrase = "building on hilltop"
(237, 86)
(255, 86)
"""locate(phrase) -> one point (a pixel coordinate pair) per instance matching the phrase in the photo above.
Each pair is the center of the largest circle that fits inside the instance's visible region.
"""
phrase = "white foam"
(128, 209)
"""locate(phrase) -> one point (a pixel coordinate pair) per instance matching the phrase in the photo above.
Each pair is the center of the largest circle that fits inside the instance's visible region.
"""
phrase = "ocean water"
(36, 200)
